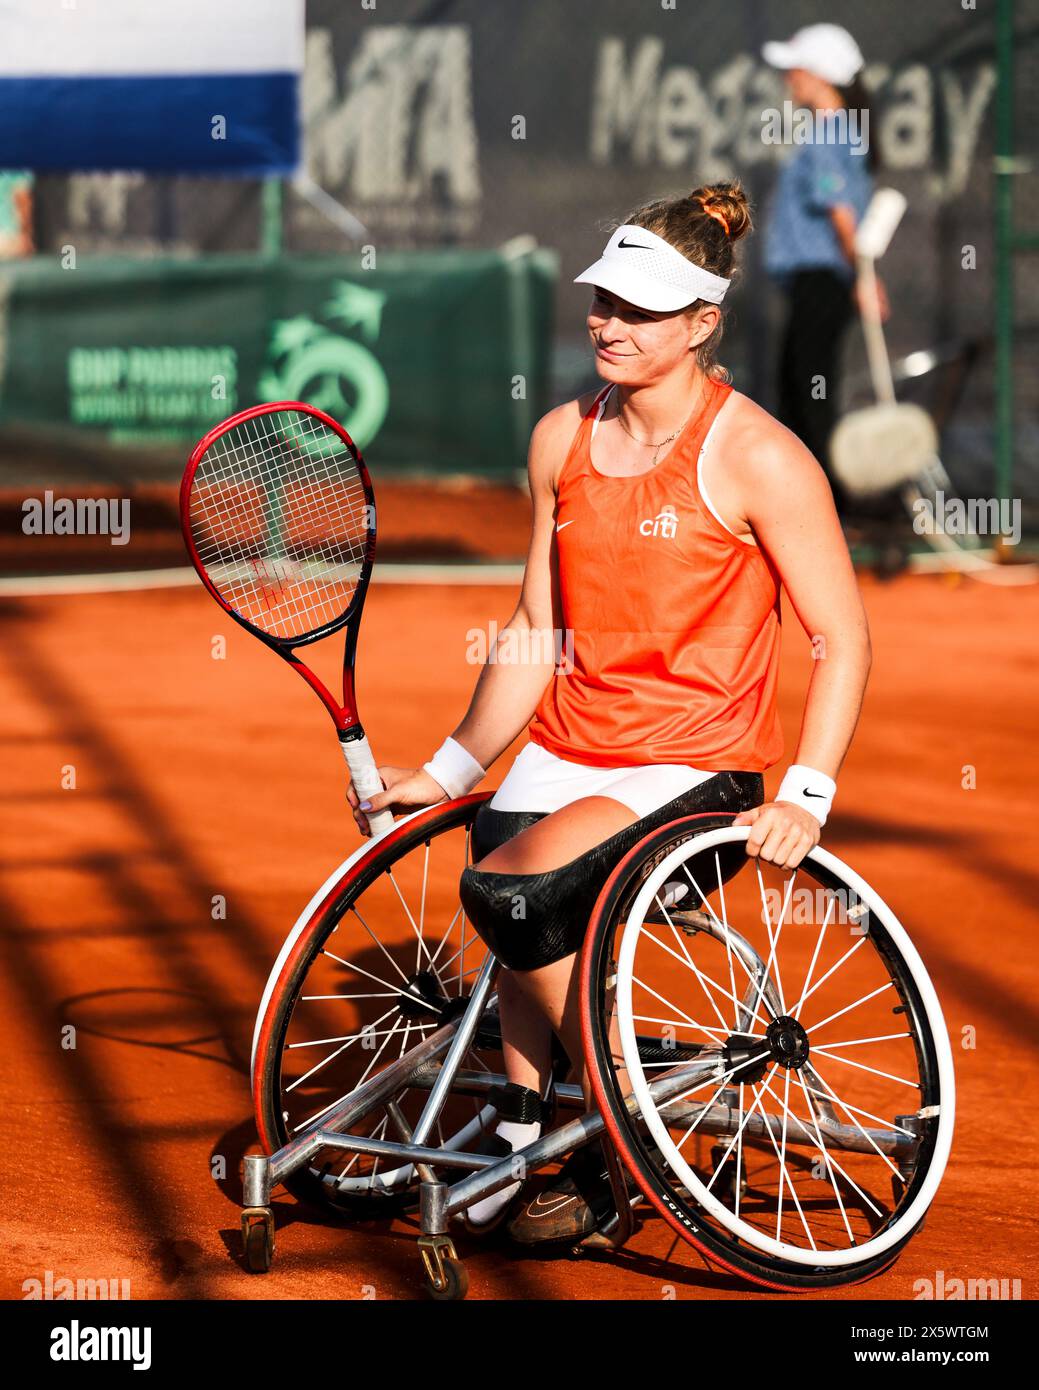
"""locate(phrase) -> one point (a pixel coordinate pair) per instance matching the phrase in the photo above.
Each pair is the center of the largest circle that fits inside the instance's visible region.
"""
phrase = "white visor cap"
(826, 50)
(647, 271)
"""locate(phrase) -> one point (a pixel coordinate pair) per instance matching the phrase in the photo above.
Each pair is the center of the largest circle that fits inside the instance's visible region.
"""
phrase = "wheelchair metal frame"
(436, 1064)
(422, 1068)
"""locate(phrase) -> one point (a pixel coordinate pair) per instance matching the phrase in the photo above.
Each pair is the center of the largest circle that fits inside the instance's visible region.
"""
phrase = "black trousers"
(819, 309)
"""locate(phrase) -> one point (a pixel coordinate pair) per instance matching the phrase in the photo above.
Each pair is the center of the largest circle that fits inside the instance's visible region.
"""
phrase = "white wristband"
(454, 768)
(812, 791)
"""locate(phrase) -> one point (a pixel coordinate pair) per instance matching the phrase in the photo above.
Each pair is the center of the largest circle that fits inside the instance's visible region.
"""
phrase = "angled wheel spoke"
(857, 1003)
(815, 956)
(421, 947)
(830, 1161)
(314, 998)
(848, 1110)
(832, 971)
(668, 1004)
(378, 943)
(858, 1042)
(352, 965)
(703, 978)
(422, 909)
(830, 1094)
(773, 940)
(830, 1164)
(850, 1062)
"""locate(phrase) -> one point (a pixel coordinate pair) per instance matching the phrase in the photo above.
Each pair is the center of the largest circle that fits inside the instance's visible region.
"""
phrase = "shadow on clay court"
(82, 1083)
(161, 893)
(954, 976)
(154, 1018)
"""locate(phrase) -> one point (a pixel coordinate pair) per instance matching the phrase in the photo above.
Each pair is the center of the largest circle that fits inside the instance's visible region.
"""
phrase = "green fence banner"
(434, 361)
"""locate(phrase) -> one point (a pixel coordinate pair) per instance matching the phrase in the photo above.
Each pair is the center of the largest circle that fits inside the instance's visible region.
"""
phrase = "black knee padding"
(533, 920)
(492, 828)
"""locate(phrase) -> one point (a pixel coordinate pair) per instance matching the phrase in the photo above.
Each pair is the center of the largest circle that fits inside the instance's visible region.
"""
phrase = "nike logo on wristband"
(820, 795)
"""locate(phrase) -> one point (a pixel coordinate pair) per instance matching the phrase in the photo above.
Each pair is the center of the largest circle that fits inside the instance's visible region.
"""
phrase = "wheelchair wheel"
(801, 1143)
(381, 958)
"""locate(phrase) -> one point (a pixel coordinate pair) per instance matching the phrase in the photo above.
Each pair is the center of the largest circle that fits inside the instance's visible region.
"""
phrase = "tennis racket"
(278, 514)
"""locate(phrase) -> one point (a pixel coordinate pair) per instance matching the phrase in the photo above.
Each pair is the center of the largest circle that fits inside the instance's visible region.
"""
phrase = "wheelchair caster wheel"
(447, 1279)
(258, 1239)
(455, 1284)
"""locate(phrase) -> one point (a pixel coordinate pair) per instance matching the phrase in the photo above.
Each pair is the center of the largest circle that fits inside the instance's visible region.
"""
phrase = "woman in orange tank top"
(669, 511)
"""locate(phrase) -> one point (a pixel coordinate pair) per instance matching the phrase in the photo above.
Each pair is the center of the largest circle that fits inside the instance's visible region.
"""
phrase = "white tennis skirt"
(539, 781)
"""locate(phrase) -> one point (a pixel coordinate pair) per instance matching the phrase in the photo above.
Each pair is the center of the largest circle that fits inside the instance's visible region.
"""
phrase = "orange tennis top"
(672, 624)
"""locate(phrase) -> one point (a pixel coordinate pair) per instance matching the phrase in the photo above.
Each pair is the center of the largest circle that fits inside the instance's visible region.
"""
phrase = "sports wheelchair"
(771, 1069)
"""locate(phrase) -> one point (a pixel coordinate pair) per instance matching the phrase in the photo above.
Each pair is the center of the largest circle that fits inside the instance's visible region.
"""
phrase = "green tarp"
(436, 361)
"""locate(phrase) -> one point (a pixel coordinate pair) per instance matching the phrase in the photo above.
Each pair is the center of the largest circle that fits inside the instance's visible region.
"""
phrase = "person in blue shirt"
(822, 193)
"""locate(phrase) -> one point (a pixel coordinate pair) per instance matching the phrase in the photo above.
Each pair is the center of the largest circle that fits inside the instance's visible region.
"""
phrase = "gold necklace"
(648, 444)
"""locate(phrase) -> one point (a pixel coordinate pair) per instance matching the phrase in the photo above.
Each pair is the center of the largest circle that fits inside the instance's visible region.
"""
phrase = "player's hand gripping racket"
(278, 514)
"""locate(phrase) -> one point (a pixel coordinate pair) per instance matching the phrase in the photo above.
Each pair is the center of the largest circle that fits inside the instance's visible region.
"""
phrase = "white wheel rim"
(906, 1220)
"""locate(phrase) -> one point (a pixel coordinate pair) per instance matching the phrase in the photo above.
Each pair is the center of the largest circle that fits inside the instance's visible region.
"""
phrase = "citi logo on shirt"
(664, 524)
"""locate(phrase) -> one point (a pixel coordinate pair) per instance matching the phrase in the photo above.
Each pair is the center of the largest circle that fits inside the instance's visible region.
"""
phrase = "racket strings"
(279, 517)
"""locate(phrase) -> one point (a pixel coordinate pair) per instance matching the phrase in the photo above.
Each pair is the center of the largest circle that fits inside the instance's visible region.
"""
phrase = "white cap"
(826, 50)
(647, 271)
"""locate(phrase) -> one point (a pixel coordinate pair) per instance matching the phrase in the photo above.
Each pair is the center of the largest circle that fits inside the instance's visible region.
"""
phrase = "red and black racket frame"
(344, 716)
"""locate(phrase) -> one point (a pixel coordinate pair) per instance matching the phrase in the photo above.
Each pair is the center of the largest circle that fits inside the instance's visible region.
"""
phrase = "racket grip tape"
(366, 780)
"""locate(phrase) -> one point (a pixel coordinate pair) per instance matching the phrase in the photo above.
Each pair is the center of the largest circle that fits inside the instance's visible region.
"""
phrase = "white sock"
(519, 1136)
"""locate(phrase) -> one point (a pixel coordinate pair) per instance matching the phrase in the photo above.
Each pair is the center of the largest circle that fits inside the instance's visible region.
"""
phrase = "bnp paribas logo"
(328, 363)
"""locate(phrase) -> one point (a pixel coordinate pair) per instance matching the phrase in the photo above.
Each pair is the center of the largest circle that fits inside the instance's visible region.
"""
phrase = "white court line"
(973, 563)
(942, 561)
(184, 576)
(983, 565)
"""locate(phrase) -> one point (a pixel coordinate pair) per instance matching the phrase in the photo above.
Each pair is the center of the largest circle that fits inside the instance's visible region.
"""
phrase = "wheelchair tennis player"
(668, 513)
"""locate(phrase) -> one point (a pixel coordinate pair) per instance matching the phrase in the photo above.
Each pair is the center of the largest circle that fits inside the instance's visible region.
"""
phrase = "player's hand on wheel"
(781, 834)
(406, 789)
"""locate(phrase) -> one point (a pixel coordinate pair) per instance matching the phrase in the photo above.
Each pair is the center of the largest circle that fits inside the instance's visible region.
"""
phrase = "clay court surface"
(197, 777)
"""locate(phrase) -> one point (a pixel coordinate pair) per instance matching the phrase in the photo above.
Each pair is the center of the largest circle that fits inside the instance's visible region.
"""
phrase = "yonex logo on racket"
(664, 524)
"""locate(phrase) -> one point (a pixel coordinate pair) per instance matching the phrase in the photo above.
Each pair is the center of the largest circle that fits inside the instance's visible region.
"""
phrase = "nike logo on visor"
(633, 245)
